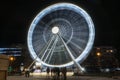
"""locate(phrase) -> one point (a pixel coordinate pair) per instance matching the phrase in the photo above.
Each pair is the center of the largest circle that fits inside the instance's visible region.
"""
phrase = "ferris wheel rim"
(54, 7)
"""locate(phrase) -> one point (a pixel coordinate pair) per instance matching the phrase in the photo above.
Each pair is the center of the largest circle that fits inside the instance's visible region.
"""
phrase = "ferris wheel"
(60, 35)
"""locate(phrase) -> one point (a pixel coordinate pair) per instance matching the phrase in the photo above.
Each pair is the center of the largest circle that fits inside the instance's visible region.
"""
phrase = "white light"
(53, 8)
(38, 64)
(55, 30)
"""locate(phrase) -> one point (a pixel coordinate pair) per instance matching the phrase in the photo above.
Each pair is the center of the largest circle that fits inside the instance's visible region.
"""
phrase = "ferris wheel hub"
(55, 29)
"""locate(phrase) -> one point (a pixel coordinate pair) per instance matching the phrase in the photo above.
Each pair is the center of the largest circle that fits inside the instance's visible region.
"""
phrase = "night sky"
(16, 16)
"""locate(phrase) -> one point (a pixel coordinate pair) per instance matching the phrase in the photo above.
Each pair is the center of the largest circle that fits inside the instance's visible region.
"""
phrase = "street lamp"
(21, 67)
(99, 61)
(10, 69)
(11, 58)
(98, 54)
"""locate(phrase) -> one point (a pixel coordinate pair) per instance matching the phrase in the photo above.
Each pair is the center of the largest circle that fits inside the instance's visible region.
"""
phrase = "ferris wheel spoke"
(81, 40)
(37, 47)
(67, 57)
(76, 45)
(35, 42)
(81, 34)
(73, 52)
(76, 39)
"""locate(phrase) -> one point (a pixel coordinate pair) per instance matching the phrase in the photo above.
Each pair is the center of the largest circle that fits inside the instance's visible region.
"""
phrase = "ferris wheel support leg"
(72, 57)
(45, 48)
(52, 49)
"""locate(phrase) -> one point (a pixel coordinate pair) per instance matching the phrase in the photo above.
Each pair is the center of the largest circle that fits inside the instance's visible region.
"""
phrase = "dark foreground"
(37, 77)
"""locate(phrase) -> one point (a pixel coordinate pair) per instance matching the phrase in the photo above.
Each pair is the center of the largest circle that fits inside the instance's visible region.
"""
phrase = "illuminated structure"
(15, 56)
(61, 35)
(107, 56)
(100, 58)
(11, 51)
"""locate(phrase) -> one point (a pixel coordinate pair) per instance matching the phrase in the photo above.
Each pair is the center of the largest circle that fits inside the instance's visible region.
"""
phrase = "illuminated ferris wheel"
(61, 35)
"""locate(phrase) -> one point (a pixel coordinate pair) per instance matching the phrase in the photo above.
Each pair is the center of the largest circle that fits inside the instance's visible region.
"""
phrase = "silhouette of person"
(64, 71)
(48, 70)
(27, 73)
(58, 72)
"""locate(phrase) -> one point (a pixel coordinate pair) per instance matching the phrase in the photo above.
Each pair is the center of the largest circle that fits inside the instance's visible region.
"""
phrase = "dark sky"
(16, 16)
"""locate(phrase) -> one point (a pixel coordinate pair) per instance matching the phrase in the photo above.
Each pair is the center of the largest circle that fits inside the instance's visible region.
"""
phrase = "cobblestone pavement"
(68, 78)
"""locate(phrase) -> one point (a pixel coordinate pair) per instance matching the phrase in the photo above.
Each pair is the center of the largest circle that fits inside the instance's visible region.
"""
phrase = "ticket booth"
(4, 63)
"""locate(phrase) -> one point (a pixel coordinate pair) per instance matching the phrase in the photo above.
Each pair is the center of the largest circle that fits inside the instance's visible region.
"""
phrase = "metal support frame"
(72, 57)
(47, 46)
